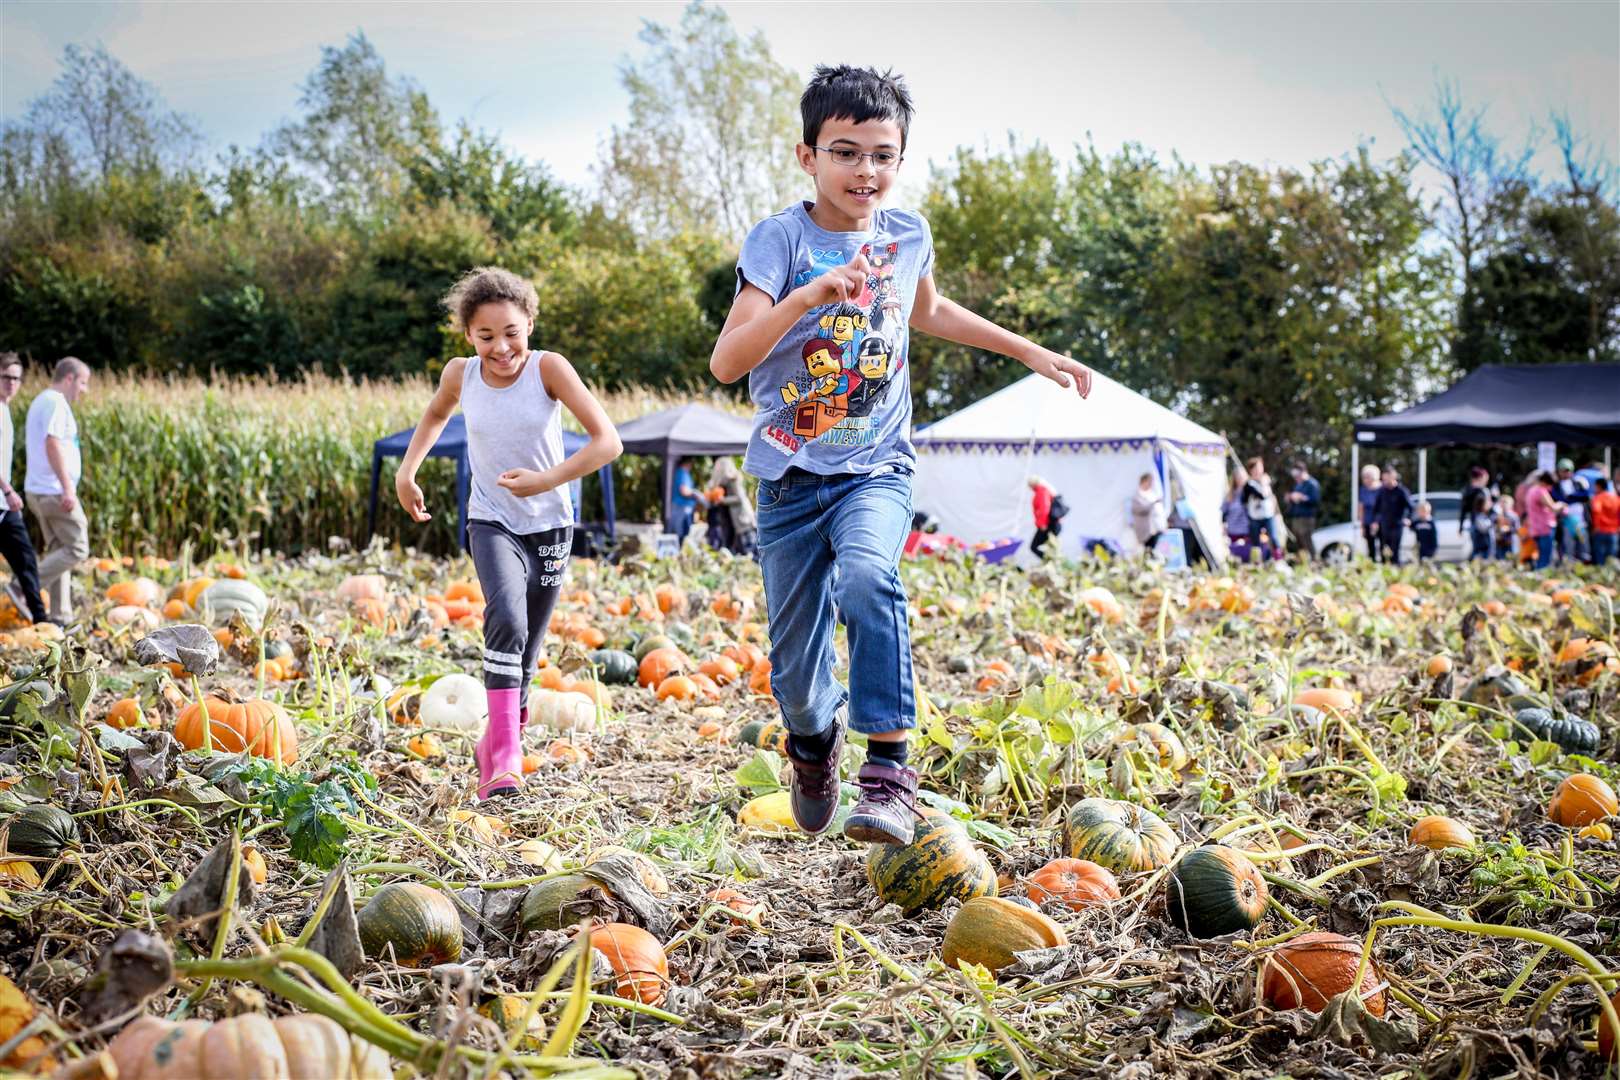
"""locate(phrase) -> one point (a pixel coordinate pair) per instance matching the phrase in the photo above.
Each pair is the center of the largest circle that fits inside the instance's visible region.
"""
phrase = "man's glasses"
(10, 378)
(882, 160)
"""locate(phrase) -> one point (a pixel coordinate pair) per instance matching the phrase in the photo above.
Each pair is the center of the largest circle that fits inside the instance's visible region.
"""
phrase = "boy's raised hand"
(1061, 369)
(837, 285)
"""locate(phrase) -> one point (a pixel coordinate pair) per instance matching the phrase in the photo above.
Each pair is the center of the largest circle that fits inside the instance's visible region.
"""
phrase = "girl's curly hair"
(489, 284)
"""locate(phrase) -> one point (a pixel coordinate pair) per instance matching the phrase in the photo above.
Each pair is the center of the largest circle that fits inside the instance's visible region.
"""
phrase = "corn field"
(261, 464)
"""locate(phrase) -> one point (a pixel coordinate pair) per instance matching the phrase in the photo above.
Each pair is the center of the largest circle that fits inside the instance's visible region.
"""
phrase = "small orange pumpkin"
(637, 959)
(678, 687)
(260, 727)
(1075, 883)
(659, 665)
(1307, 971)
(125, 713)
(1328, 699)
(1582, 799)
(722, 669)
(464, 590)
(1437, 833)
(671, 598)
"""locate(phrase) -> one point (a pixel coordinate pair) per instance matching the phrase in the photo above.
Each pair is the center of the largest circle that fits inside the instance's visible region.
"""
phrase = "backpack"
(1058, 509)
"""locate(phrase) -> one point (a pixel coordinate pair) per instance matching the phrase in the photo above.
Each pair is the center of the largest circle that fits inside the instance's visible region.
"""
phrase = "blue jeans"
(1482, 542)
(680, 521)
(1544, 551)
(1272, 526)
(1605, 546)
(829, 547)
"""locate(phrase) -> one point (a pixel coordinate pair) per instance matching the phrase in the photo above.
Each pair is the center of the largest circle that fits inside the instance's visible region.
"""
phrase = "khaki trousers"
(67, 543)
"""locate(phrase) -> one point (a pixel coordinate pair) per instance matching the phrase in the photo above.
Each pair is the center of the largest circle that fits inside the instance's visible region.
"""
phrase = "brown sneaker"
(887, 812)
(815, 785)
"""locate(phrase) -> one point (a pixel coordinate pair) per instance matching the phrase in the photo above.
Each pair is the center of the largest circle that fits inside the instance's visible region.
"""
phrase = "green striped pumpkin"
(1122, 836)
(764, 734)
(651, 642)
(1215, 890)
(941, 863)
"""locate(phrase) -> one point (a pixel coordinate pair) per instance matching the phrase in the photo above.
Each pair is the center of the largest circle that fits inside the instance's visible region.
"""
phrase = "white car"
(1337, 543)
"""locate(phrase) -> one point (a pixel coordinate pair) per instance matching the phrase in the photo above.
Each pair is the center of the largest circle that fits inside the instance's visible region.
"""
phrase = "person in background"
(1425, 533)
(1366, 498)
(1148, 517)
(1574, 493)
(1507, 528)
(1541, 512)
(1474, 514)
(52, 481)
(1605, 522)
(683, 501)
(1304, 504)
(1046, 526)
(1261, 504)
(15, 543)
(734, 507)
(1589, 476)
(1391, 513)
(1236, 518)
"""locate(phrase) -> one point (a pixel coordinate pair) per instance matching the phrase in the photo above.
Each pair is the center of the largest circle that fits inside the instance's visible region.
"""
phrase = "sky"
(1267, 83)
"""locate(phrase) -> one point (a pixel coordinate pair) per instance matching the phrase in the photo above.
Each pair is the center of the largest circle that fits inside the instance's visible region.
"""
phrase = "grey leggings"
(521, 576)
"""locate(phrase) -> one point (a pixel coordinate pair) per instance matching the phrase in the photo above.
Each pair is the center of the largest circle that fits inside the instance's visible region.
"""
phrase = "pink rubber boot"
(500, 752)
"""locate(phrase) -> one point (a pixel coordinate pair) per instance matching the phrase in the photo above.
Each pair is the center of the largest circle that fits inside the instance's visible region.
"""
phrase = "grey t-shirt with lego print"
(834, 396)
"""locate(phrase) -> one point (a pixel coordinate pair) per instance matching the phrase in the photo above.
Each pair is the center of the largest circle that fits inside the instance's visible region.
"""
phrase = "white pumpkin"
(561, 711)
(456, 701)
(124, 614)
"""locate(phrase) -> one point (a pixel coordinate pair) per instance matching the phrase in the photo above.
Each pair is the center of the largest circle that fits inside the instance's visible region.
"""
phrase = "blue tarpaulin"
(453, 444)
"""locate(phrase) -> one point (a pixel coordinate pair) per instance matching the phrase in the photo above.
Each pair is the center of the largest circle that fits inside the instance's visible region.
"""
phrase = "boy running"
(817, 284)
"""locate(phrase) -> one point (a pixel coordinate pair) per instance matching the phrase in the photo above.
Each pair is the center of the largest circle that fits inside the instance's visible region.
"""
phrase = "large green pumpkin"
(560, 902)
(941, 863)
(617, 667)
(1122, 836)
(41, 831)
(1215, 890)
(233, 596)
(419, 922)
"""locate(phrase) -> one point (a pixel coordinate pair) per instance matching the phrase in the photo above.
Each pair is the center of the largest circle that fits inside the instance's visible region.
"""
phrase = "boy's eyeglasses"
(10, 378)
(882, 160)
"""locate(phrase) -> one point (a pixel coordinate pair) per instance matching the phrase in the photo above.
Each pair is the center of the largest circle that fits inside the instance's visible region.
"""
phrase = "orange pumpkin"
(426, 745)
(371, 611)
(1307, 971)
(678, 687)
(1494, 608)
(1438, 665)
(759, 678)
(1582, 799)
(671, 598)
(1608, 1041)
(1075, 883)
(736, 902)
(1327, 698)
(139, 592)
(722, 669)
(637, 959)
(174, 609)
(744, 654)
(1437, 833)
(552, 678)
(659, 665)
(260, 727)
(564, 752)
(464, 590)
(125, 713)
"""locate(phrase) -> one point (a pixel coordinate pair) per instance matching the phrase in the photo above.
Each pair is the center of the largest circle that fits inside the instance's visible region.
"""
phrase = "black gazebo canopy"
(1570, 404)
(690, 430)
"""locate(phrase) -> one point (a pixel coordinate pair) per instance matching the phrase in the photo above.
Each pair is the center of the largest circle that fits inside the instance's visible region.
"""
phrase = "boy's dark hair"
(489, 285)
(855, 94)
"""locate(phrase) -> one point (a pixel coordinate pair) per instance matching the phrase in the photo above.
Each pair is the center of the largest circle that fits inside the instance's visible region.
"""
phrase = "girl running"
(519, 517)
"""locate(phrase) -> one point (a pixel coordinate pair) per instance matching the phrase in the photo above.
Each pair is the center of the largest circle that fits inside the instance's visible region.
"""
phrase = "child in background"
(1605, 522)
(519, 517)
(1424, 532)
(827, 292)
(1392, 511)
(1507, 529)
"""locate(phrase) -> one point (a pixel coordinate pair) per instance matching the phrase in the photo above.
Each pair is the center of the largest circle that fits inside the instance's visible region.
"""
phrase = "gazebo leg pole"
(1423, 474)
(1355, 487)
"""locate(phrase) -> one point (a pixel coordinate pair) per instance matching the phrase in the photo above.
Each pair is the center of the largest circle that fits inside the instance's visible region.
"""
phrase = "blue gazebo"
(453, 444)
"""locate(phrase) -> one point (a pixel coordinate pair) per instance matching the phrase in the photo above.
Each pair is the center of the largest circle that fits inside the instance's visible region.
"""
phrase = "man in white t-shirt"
(15, 544)
(52, 483)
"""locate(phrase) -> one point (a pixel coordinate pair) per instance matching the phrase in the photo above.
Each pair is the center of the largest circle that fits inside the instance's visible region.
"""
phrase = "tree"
(477, 172)
(713, 124)
(97, 119)
(360, 128)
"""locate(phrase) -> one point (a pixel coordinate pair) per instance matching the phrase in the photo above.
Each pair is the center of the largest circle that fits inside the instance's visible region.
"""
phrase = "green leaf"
(762, 773)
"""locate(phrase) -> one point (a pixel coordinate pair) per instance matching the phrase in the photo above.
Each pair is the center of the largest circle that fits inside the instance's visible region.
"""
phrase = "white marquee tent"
(973, 466)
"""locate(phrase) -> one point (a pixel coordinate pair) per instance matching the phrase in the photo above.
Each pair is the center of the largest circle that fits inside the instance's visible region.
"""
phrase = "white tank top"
(519, 427)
